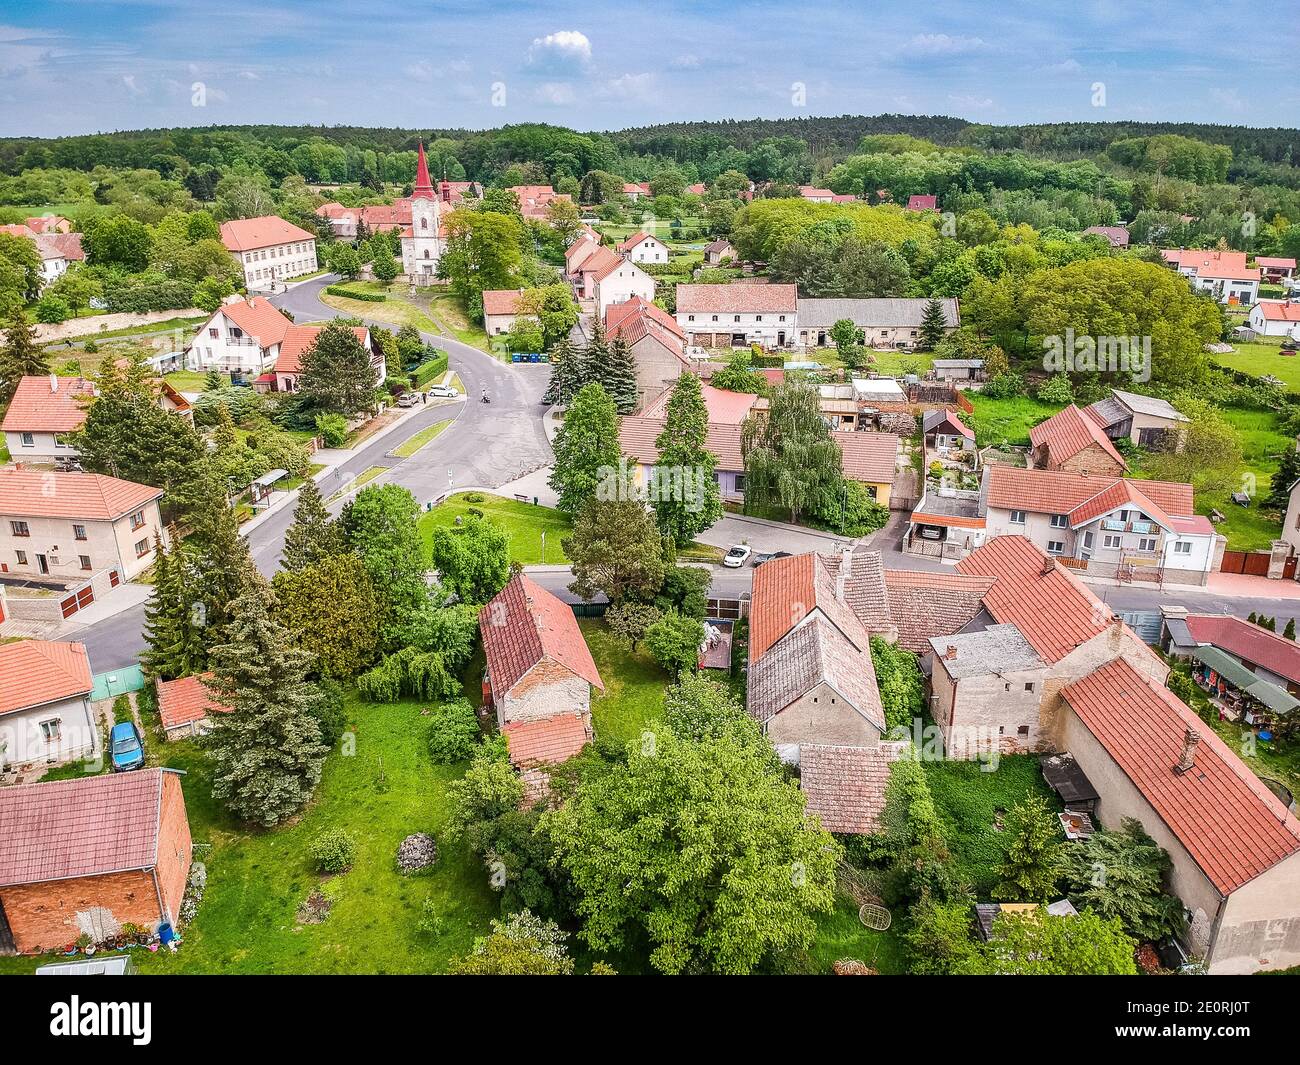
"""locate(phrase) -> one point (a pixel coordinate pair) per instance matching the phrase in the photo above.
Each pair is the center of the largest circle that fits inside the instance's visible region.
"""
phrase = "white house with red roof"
(70, 526)
(1234, 847)
(43, 414)
(737, 315)
(242, 338)
(1274, 269)
(1222, 274)
(269, 249)
(57, 248)
(634, 190)
(643, 247)
(539, 673)
(425, 239)
(500, 309)
(45, 713)
(1275, 318)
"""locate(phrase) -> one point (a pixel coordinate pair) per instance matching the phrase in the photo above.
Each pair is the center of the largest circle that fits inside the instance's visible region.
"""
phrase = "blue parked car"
(126, 747)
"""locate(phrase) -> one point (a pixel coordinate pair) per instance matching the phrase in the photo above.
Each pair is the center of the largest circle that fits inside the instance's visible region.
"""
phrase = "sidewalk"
(1228, 585)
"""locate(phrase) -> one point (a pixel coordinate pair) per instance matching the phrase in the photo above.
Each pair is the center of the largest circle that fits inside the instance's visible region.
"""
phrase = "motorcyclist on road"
(485, 396)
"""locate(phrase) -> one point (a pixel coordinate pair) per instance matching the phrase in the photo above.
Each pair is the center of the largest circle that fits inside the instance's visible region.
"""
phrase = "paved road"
(485, 446)
(490, 445)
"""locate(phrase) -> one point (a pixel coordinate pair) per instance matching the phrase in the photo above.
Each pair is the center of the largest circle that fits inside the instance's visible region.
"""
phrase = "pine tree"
(175, 619)
(212, 381)
(20, 357)
(1289, 631)
(313, 534)
(267, 752)
(686, 497)
(595, 358)
(568, 370)
(934, 325)
(620, 376)
(1031, 865)
(586, 449)
(222, 561)
(223, 433)
(1288, 473)
(337, 374)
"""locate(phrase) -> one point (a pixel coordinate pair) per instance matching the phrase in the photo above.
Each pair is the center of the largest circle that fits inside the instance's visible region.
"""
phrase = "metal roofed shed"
(1065, 777)
(1237, 676)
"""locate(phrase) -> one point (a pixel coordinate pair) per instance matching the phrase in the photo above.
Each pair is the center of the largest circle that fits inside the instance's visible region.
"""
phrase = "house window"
(214, 333)
(1059, 521)
(1023, 730)
(28, 440)
(1029, 686)
(1055, 547)
(1183, 547)
(1111, 543)
(781, 318)
(740, 482)
(1147, 543)
(757, 318)
(715, 317)
(141, 548)
(1017, 517)
(22, 557)
(51, 730)
(79, 532)
(137, 519)
(20, 528)
(735, 317)
(85, 561)
(690, 317)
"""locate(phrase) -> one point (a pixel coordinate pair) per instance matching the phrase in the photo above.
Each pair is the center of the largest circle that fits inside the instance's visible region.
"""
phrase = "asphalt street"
(488, 445)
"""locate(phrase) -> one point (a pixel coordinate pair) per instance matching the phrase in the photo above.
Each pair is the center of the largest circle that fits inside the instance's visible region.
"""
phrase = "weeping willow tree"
(791, 461)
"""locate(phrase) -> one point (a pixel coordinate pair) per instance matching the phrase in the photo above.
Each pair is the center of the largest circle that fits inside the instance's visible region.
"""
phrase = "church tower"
(421, 247)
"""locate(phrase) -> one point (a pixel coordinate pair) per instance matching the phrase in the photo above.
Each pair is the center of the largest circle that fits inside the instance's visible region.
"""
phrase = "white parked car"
(443, 392)
(737, 556)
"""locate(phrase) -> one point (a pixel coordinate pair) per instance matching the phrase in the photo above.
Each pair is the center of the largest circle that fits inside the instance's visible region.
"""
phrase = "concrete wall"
(22, 742)
(626, 281)
(981, 714)
(657, 368)
(1260, 926)
(544, 691)
(822, 716)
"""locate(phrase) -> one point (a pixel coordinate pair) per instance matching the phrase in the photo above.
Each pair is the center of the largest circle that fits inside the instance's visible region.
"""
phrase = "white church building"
(425, 238)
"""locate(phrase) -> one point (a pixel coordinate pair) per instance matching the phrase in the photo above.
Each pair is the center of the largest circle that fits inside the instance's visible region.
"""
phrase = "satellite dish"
(874, 916)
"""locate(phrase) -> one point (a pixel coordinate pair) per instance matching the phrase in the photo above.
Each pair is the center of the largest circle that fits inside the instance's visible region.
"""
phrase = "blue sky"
(76, 67)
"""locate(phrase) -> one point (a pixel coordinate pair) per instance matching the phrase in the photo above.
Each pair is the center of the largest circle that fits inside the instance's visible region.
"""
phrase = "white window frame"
(1018, 520)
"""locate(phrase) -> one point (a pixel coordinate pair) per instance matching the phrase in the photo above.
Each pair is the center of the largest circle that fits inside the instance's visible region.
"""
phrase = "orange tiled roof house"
(88, 856)
(45, 712)
(539, 674)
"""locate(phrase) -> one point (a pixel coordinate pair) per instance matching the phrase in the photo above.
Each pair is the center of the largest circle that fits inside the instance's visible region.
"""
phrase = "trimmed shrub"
(365, 297)
(453, 732)
(333, 851)
(427, 371)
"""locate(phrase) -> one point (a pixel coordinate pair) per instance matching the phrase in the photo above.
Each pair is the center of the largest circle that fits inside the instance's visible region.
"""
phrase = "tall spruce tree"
(267, 751)
(568, 373)
(19, 357)
(586, 449)
(222, 560)
(337, 374)
(934, 325)
(314, 535)
(174, 619)
(620, 376)
(686, 497)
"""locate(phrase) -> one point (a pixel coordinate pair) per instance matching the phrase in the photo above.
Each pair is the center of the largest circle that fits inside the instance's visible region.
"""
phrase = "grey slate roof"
(1148, 405)
(872, 313)
(997, 649)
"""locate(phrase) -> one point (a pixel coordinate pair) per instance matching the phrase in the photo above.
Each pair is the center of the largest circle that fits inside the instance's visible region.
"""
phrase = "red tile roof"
(61, 245)
(85, 827)
(740, 298)
(550, 740)
(724, 408)
(1268, 262)
(249, 234)
(788, 589)
(925, 604)
(635, 239)
(1057, 492)
(299, 338)
(50, 224)
(37, 409)
(501, 300)
(1279, 312)
(18, 230)
(636, 307)
(1211, 264)
(85, 496)
(36, 672)
(1248, 642)
(185, 700)
(922, 203)
(869, 457)
(637, 436)
(1069, 431)
(844, 787)
(522, 625)
(1051, 607)
(1232, 826)
(258, 317)
(1123, 493)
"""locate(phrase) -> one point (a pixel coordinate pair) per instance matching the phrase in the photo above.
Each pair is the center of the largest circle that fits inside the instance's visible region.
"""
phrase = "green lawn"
(523, 522)
(1260, 357)
(257, 879)
(998, 421)
(969, 800)
(634, 685)
(412, 444)
(1250, 528)
(395, 312)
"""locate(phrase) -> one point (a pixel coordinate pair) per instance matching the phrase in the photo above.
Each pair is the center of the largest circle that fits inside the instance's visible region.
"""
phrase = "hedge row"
(365, 297)
(427, 371)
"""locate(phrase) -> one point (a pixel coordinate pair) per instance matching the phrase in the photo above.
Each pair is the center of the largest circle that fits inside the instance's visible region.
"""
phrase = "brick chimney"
(950, 653)
(1191, 740)
(1049, 564)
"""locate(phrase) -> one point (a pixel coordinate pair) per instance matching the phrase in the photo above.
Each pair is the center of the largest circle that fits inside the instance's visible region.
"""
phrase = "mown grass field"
(1006, 421)
(1260, 357)
(523, 522)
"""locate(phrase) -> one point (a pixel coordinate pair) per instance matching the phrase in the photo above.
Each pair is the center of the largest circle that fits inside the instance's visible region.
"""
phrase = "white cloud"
(555, 93)
(1066, 66)
(629, 87)
(971, 103)
(129, 81)
(940, 44)
(249, 75)
(420, 71)
(562, 48)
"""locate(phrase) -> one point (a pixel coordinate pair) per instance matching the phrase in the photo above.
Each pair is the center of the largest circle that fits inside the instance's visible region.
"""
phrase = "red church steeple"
(423, 186)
